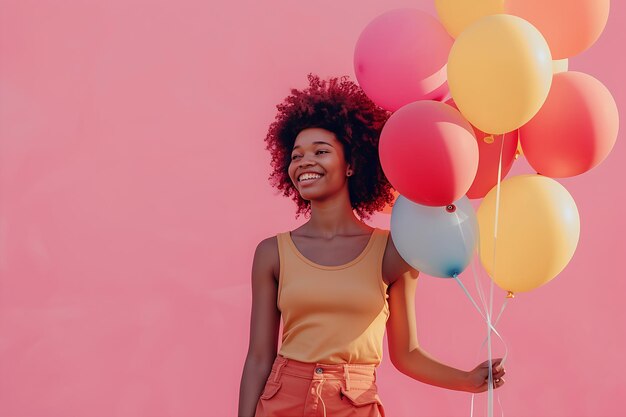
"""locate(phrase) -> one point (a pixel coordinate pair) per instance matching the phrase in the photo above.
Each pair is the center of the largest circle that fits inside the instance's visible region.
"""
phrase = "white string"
(479, 287)
(489, 312)
(495, 237)
(495, 234)
(487, 320)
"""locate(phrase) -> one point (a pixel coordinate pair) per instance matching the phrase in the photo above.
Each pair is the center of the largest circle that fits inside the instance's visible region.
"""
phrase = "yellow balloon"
(538, 231)
(456, 15)
(499, 72)
(560, 65)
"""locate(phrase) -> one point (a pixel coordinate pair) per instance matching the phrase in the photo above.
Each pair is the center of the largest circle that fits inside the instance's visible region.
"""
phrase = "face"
(318, 151)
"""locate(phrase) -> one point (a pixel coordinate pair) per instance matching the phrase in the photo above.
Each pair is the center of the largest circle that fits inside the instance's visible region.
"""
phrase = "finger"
(494, 363)
(498, 367)
(495, 373)
(498, 382)
(499, 374)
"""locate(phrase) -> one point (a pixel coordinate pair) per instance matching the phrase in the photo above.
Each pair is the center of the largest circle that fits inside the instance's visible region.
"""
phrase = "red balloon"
(575, 129)
(429, 153)
(489, 147)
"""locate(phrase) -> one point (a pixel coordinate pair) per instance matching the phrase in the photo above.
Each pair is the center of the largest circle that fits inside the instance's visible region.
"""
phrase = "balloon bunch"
(470, 92)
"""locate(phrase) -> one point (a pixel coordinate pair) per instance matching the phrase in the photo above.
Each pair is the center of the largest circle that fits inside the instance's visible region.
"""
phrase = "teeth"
(309, 176)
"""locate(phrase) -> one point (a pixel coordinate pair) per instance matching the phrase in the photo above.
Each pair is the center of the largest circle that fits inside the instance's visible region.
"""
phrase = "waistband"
(345, 372)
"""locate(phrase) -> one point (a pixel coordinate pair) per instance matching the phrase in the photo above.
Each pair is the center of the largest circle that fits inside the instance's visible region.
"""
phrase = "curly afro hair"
(339, 106)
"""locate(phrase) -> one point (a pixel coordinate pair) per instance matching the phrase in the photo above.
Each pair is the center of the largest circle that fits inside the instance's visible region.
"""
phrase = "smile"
(308, 181)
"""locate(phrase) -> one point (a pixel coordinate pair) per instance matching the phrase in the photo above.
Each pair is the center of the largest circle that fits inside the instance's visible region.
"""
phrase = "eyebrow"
(317, 142)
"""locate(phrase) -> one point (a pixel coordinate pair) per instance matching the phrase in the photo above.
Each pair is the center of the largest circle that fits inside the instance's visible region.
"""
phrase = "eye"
(297, 156)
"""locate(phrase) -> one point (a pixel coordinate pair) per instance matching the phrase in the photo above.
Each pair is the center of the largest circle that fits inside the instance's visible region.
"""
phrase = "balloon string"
(489, 324)
(456, 277)
(490, 327)
(495, 237)
(489, 311)
(506, 350)
(506, 353)
(479, 287)
(495, 228)
(506, 300)
(487, 318)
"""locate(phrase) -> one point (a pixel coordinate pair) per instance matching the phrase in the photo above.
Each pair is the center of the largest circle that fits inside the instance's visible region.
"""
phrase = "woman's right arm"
(264, 326)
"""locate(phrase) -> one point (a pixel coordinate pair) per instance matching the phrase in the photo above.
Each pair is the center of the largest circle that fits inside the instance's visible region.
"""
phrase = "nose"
(305, 163)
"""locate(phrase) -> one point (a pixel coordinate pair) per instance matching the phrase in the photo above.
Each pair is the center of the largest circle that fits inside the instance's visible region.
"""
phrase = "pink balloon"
(489, 147)
(575, 129)
(401, 57)
(429, 153)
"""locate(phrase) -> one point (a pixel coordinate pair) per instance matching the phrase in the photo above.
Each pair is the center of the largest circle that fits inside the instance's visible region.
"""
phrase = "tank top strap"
(377, 251)
(377, 255)
(381, 241)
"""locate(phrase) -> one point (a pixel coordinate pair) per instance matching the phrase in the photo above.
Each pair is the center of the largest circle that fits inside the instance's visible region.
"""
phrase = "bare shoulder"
(394, 266)
(265, 314)
(266, 254)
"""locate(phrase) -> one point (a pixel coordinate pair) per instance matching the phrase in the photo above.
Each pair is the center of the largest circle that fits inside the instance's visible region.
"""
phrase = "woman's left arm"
(404, 350)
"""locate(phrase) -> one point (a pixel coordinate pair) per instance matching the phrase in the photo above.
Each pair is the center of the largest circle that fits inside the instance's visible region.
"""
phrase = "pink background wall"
(134, 190)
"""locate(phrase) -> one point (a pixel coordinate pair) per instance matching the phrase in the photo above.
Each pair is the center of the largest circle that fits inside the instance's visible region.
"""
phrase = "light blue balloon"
(439, 241)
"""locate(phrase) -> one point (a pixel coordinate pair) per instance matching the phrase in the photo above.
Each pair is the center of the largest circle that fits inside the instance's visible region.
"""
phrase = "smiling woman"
(337, 283)
(330, 119)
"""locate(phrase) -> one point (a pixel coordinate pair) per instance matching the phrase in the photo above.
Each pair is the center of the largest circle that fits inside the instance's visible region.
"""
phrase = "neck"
(332, 218)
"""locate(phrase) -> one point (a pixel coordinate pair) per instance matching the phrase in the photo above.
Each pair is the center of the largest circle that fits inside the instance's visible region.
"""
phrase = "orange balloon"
(569, 26)
(575, 129)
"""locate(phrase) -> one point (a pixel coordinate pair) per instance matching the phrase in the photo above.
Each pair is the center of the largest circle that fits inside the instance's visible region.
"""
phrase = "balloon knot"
(450, 208)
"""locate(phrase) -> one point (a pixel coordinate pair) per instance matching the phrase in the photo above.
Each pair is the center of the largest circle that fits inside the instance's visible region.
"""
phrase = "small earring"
(349, 173)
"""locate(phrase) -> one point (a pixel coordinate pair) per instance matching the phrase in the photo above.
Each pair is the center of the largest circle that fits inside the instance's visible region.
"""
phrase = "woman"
(337, 282)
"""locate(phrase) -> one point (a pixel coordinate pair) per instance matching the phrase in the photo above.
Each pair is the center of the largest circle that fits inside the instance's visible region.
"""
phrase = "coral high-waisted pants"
(318, 390)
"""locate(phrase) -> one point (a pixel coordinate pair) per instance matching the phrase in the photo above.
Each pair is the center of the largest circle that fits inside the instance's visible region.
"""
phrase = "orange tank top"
(333, 314)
